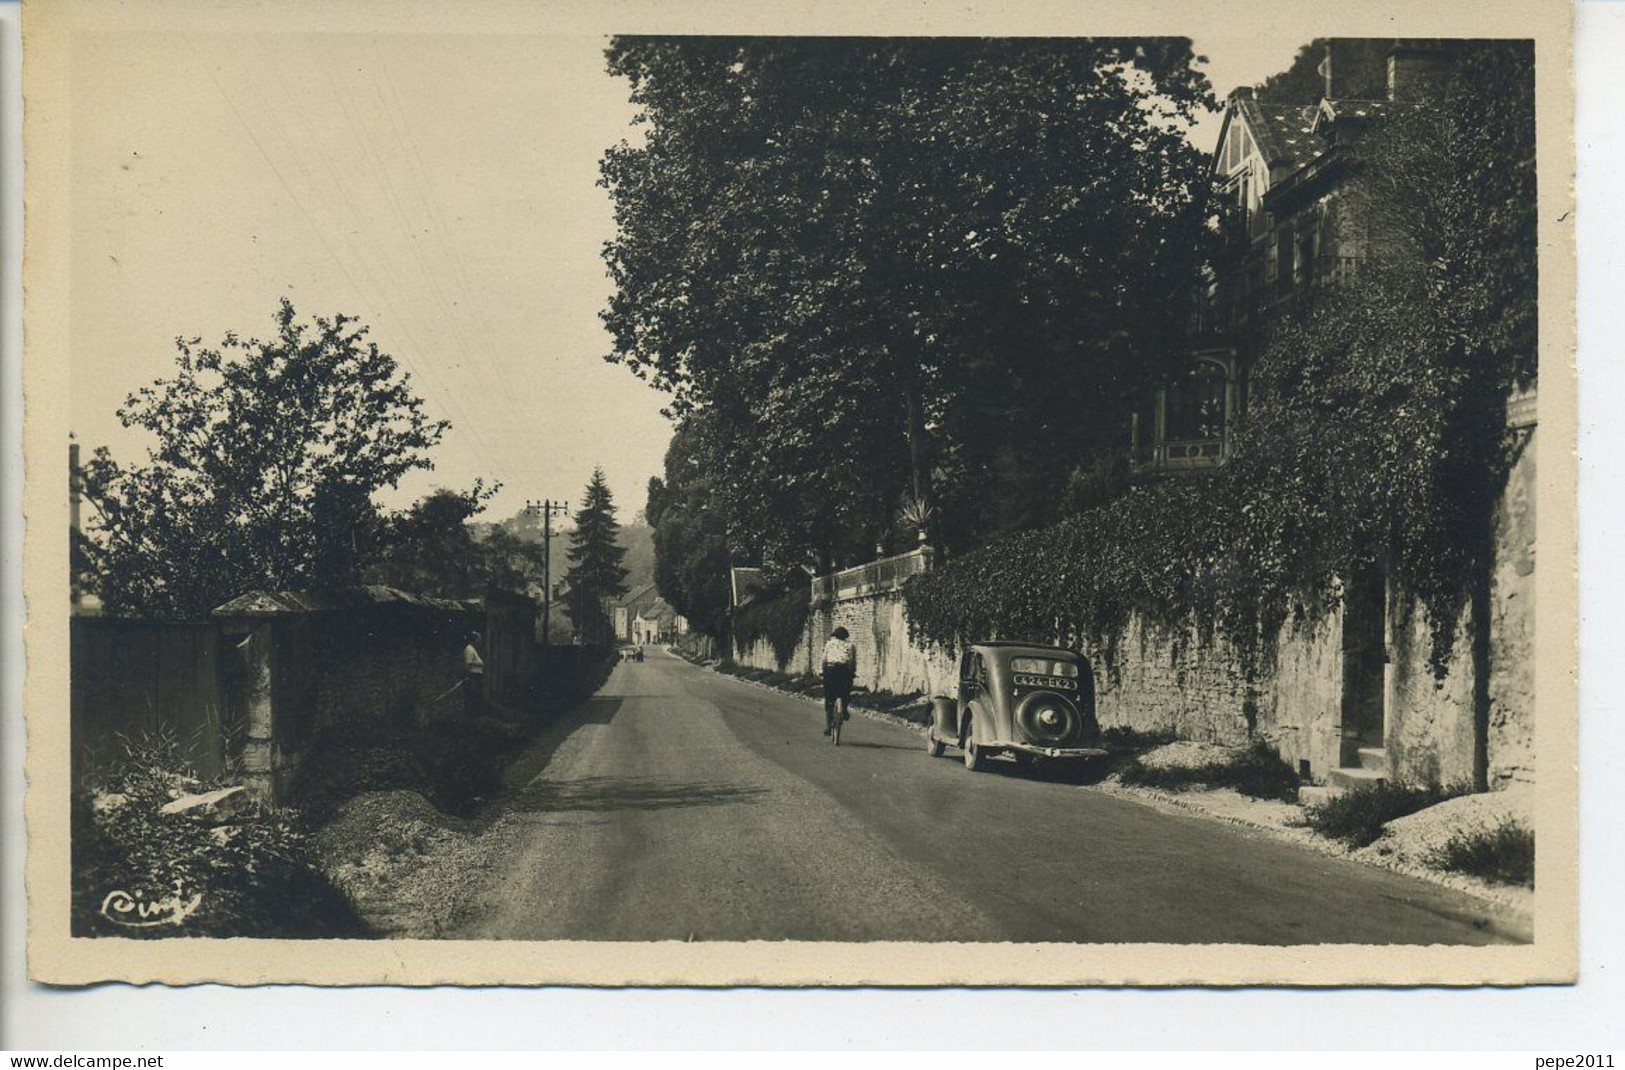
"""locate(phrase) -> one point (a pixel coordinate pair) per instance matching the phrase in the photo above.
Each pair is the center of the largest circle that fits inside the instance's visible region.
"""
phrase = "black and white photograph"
(523, 501)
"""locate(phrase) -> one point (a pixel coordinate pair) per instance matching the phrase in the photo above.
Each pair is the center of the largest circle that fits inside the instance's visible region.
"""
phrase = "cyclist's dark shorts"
(838, 680)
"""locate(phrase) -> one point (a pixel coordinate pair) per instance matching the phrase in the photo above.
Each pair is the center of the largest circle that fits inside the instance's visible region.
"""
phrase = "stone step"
(1374, 759)
(1317, 794)
(1353, 778)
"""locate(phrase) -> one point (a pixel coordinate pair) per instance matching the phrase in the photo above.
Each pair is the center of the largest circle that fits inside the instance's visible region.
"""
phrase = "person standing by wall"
(840, 669)
(473, 677)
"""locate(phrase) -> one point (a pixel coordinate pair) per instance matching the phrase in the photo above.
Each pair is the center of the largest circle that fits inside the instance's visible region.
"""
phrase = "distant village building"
(659, 623)
(625, 613)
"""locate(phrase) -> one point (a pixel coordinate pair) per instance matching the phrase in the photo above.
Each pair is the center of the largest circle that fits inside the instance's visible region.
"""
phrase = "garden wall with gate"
(248, 691)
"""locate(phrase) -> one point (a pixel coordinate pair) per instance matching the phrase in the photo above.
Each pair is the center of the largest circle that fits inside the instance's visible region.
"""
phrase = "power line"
(450, 397)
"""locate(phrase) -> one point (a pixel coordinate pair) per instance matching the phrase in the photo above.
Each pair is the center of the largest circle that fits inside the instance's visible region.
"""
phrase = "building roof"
(1332, 110)
(291, 603)
(744, 582)
(1285, 132)
(637, 596)
(655, 610)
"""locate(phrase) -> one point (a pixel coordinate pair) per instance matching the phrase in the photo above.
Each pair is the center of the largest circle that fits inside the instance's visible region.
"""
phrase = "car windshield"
(1045, 667)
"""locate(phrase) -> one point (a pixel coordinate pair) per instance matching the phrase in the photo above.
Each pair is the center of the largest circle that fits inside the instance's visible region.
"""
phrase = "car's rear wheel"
(974, 758)
(933, 745)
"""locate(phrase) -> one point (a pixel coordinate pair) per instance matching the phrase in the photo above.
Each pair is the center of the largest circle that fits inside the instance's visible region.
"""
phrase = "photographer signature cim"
(137, 912)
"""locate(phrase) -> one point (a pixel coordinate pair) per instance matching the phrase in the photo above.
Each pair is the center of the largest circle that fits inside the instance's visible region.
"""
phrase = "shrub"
(782, 621)
(1258, 772)
(249, 871)
(1357, 817)
(1122, 739)
(1504, 854)
(455, 764)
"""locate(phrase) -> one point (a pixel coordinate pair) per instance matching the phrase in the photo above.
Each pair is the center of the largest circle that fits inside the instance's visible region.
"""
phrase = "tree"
(691, 534)
(268, 454)
(512, 562)
(430, 549)
(892, 269)
(596, 575)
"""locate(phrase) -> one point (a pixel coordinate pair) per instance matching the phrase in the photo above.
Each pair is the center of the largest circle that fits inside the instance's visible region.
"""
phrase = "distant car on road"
(1032, 702)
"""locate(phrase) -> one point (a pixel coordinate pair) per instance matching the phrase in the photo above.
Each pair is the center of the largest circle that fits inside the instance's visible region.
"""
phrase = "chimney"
(1417, 73)
(1325, 72)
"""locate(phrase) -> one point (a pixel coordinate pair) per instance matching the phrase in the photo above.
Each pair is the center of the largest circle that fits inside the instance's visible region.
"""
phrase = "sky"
(441, 188)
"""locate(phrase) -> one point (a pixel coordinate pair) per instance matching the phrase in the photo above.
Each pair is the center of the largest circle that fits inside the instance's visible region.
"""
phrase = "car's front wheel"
(933, 745)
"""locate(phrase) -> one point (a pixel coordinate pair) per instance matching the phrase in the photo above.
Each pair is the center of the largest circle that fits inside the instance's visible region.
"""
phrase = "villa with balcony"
(1284, 167)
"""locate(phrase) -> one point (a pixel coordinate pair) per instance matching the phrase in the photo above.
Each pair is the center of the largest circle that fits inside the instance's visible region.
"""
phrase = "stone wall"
(1475, 720)
(1511, 683)
(309, 663)
(1158, 682)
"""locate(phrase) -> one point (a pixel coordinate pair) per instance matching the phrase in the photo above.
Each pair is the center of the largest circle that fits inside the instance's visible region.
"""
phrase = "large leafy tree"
(596, 574)
(268, 454)
(899, 269)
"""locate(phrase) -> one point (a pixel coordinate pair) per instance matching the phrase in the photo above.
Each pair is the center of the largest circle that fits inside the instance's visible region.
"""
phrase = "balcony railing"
(1181, 455)
(876, 577)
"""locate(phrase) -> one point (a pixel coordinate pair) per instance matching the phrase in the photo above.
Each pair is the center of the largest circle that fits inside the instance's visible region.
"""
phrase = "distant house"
(658, 623)
(624, 614)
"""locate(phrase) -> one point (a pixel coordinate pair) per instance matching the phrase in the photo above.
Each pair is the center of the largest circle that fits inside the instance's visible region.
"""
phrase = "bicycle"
(836, 717)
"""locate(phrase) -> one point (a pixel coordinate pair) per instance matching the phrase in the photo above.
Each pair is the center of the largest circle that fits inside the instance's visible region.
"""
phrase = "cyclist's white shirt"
(840, 652)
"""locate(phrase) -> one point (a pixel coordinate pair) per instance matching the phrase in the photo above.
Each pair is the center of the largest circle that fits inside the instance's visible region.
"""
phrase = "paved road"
(679, 804)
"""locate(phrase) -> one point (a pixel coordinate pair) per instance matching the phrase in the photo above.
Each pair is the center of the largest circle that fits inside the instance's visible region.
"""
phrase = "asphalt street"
(681, 804)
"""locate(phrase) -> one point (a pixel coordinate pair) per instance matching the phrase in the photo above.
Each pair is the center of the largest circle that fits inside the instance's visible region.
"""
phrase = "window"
(1272, 262)
(1196, 404)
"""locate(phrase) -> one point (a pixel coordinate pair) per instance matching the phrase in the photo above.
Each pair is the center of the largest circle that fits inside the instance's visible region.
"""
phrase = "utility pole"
(547, 509)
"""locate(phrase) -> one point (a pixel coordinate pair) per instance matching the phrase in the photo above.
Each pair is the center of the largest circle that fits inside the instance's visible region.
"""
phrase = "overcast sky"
(443, 189)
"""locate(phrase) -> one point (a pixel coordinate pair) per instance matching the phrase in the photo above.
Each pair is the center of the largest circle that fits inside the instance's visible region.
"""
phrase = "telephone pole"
(547, 509)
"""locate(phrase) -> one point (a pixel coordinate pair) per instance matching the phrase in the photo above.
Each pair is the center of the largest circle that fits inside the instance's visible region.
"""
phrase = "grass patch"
(1357, 817)
(1503, 855)
(1258, 772)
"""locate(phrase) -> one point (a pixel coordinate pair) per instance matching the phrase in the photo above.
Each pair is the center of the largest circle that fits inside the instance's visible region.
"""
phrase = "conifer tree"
(596, 575)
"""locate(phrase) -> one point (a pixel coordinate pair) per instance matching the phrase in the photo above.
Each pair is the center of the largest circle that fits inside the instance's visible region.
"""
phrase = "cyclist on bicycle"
(840, 669)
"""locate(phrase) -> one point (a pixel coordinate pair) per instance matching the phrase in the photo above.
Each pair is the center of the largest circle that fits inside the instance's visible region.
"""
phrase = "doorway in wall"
(1365, 660)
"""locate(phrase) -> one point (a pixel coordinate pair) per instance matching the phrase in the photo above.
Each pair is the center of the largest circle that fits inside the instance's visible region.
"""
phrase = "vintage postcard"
(534, 493)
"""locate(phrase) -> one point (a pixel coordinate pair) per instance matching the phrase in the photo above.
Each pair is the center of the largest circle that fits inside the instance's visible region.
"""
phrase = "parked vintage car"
(1031, 702)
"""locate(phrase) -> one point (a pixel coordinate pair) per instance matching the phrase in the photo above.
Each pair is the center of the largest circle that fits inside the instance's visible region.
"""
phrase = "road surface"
(681, 804)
